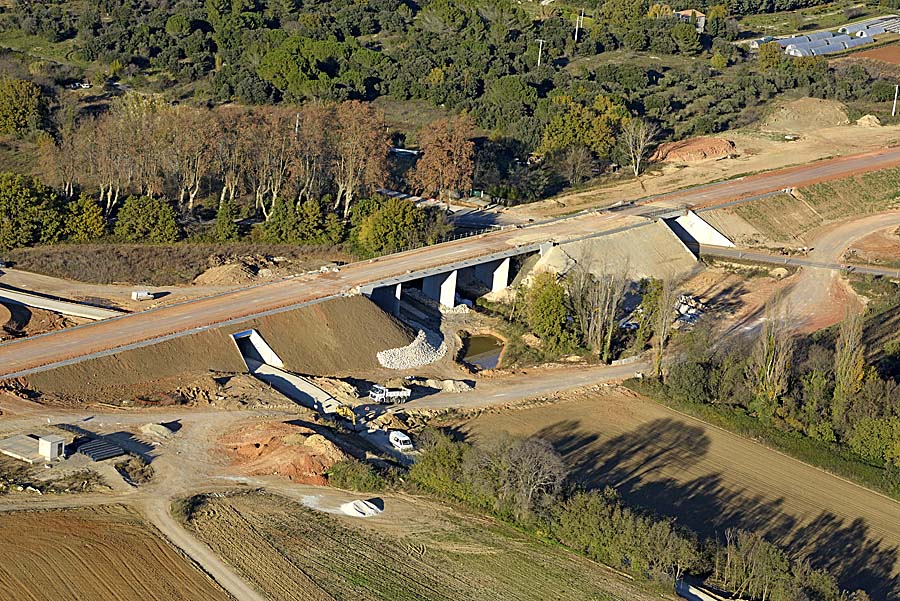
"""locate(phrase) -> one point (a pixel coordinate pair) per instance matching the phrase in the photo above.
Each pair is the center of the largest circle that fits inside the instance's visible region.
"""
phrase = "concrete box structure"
(52, 447)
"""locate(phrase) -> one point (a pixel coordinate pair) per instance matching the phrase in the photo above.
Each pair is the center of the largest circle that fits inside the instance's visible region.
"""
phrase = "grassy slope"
(783, 217)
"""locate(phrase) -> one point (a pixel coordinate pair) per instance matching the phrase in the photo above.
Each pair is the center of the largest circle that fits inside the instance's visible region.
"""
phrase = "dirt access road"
(17, 357)
(710, 479)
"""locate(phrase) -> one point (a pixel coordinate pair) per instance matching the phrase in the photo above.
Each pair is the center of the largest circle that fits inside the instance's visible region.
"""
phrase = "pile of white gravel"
(427, 348)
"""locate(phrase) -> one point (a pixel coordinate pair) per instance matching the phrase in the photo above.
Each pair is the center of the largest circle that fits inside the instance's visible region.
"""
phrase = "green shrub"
(355, 475)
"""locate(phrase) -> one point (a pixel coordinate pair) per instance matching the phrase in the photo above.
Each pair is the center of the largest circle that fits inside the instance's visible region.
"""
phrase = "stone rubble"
(427, 348)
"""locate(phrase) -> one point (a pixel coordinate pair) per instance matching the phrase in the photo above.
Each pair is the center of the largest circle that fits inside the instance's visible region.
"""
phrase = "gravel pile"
(427, 348)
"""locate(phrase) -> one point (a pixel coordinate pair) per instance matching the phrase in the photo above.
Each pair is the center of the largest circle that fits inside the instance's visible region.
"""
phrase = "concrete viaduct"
(440, 283)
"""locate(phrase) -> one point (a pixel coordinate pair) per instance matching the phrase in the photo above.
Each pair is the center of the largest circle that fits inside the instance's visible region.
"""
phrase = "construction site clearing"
(243, 423)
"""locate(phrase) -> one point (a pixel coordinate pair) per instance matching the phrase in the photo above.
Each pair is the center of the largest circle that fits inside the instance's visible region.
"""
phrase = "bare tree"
(361, 148)
(312, 152)
(637, 136)
(191, 144)
(535, 471)
(662, 318)
(231, 150)
(596, 300)
(849, 367)
(577, 164)
(768, 370)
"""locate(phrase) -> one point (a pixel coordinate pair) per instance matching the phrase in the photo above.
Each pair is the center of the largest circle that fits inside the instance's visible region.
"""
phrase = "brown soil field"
(426, 551)
(17, 320)
(878, 247)
(97, 553)
(889, 54)
(710, 479)
(333, 338)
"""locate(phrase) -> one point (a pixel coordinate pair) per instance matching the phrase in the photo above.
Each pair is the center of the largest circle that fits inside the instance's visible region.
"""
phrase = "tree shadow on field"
(657, 466)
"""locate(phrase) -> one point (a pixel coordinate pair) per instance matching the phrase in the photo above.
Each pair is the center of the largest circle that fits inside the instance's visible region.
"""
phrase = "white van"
(400, 441)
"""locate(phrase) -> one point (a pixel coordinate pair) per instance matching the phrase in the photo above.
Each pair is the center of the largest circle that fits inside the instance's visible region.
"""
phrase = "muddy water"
(483, 351)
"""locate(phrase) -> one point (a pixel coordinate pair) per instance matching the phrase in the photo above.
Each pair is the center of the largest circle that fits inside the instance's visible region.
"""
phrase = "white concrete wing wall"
(262, 348)
(701, 231)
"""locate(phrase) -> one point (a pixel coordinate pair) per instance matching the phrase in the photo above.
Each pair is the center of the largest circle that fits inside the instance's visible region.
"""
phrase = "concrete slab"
(21, 447)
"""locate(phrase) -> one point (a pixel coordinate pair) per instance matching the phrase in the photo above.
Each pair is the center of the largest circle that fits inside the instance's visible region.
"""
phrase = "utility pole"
(893, 110)
(540, 51)
(579, 23)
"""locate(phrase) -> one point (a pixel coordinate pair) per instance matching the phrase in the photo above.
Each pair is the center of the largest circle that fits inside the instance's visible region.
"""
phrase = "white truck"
(383, 394)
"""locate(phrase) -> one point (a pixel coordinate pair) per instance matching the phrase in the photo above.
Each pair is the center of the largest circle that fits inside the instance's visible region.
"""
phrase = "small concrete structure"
(253, 348)
(52, 447)
(34, 449)
(386, 297)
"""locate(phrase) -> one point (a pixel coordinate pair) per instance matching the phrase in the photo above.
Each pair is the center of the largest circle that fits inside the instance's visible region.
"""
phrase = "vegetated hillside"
(94, 553)
(418, 550)
(334, 338)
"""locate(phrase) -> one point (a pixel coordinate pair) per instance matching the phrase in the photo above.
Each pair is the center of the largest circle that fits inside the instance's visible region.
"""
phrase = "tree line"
(821, 387)
(526, 482)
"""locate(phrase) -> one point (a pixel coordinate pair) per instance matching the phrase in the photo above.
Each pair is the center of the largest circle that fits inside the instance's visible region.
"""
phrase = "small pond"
(483, 351)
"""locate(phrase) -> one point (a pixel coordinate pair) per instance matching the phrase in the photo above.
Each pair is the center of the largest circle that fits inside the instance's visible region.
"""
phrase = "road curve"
(20, 356)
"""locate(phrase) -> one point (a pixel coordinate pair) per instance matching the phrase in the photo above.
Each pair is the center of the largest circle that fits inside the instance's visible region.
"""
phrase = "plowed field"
(291, 552)
(96, 553)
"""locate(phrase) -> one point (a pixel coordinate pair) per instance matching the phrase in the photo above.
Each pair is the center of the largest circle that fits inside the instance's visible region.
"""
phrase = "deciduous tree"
(637, 136)
(360, 151)
(447, 162)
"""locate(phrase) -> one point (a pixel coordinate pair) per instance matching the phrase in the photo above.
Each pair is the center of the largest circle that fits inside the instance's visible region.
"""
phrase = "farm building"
(691, 15)
(797, 51)
(806, 45)
(838, 40)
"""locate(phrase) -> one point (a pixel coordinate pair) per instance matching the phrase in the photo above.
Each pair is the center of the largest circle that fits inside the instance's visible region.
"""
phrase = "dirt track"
(710, 479)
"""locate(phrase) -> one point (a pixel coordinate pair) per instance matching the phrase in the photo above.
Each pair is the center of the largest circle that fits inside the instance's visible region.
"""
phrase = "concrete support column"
(441, 287)
(546, 247)
(386, 297)
(494, 274)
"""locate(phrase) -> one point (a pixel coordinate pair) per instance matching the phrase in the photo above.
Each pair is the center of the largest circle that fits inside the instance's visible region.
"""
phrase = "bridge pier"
(441, 287)
(386, 297)
(494, 274)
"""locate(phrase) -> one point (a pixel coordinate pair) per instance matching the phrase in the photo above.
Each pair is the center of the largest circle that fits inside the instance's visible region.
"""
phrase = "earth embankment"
(333, 338)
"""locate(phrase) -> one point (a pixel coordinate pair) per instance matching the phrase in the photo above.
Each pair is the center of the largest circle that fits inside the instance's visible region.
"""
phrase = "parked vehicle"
(400, 441)
(141, 295)
(383, 394)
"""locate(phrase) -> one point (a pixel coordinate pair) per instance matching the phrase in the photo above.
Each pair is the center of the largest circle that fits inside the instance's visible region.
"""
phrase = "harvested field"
(888, 54)
(291, 552)
(710, 479)
(334, 338)
(96, 553)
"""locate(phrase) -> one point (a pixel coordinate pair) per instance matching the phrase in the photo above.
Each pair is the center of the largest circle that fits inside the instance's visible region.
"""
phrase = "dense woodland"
(473, 57)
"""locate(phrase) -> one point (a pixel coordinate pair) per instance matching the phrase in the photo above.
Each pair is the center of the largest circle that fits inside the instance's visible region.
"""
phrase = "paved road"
(20, 356)
(797, 261)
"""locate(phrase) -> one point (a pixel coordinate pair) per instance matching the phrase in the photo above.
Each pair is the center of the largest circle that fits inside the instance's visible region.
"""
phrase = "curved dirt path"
(819, 297)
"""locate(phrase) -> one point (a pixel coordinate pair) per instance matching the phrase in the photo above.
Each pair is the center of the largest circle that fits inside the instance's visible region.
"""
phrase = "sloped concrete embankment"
(335, 338)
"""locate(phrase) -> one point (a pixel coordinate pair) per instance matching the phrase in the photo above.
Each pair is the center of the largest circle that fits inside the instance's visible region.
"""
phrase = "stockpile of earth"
(693, 150)
(282, 449)
(805, 115)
